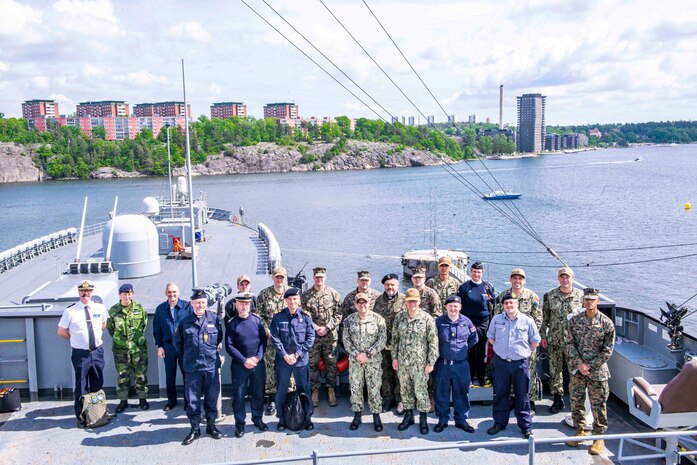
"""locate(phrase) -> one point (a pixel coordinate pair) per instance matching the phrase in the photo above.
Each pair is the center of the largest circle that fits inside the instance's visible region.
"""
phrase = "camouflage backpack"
(94, 409)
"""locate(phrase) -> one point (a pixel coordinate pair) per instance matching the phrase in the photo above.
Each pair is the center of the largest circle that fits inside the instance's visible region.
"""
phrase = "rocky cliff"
(16, 164)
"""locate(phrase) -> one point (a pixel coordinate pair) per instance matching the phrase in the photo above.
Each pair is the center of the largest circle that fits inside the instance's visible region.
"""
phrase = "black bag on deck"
(295, 411)
(9, 400)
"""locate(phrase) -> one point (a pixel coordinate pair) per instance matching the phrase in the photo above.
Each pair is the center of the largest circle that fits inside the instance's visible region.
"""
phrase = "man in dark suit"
(167, 315)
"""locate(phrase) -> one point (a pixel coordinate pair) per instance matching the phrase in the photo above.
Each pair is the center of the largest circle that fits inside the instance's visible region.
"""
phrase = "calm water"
(349, 221)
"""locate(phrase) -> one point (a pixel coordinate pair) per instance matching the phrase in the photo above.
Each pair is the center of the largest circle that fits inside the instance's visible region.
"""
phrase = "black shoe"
(532, 406)
(169, 407)
(310, 426)
(281, 426)
(440, 427)
(239, 431)
(557, 405)
(496, 429)
(465, 426)
(270, 408)
(144, 404)
(527, 433)
(194, 434)
(213, 432)
(407, 421)
(423, 422)
(81, 424)
(261, 425)
(377, 422)
(356, 421)
(123, 405)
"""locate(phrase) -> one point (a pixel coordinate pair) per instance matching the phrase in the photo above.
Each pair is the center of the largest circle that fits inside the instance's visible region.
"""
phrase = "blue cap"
(453, 298)
(291, 292)
(198, 294)
(126, 289)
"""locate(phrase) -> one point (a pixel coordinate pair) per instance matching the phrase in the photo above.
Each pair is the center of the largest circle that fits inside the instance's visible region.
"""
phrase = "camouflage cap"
(518, 272)
(243, 277)
(319, 271)
(280, 271)
(85, 285)
(361, 296)
(565, 270)
(419, 272)
(591, 293)
(244, 297)
(445, 261)
(364, 275)
(412, 294)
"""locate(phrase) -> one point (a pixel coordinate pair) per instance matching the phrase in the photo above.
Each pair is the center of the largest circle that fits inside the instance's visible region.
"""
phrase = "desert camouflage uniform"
(414, 345)
(555, 308)
(590, 341)
(368, 336)
(529, 304)
(443, 289)
(268, 304)
(323, 306)
(430, 302)
(388, 309)
(126, 325)
(348, 306)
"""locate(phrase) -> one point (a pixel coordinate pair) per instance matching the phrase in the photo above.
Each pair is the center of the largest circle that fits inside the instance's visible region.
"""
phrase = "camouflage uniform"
(555, 308)
(368, 336)
(430, 302)
(590, 341)
(126, 325)
(268, 304)
(414, 345)
(443, 289)
(388, 309)
(529, 304)
(323, 306)
(348, 306)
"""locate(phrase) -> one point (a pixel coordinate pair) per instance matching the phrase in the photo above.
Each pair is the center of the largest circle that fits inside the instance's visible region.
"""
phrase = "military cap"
(243, 277)
(453, 298)
(244, 297)
(280, 271)
(420, 271)
(126, 289)
(565, 270)
(364, 275)
(360, 296)
(389, 276)
(518, 272)
(507, 296)
(412, 294)
(591, 293)
(85, 285)
(291, 292)
(477, 266)
(198, 294)
(443, 261)
(319, 271)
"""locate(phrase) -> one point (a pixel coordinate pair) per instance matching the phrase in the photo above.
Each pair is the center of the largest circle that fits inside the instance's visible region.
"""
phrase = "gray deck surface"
(45, 432)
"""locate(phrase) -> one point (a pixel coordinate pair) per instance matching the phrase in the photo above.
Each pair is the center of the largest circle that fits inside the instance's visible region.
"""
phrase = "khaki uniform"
(324, 307)
(430, 302)
(444, 289)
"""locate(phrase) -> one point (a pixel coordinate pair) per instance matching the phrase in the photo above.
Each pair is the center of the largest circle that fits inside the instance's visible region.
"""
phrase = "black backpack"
(297, 411)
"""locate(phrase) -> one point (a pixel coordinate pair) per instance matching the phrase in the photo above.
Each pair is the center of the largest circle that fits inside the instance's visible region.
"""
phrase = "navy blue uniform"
(452, 373)
(163, 326)
(246, 338)
(475, 306)
(292, 334)
(196, 340)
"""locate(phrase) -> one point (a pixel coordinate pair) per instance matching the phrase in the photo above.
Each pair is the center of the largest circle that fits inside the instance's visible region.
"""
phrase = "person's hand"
(362, 358)
(584, 369)
(543, 343)
(161, 352)
(395, 365)
(290, 359)
(428, 369)
(251, 362)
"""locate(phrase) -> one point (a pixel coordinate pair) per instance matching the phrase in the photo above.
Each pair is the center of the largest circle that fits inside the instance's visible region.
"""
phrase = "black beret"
(389, 276)
(507, 296)
(453, 298)
(291, 292)
(198, 294)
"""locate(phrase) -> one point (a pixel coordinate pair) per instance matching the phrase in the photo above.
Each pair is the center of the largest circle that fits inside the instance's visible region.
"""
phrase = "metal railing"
(671, 454)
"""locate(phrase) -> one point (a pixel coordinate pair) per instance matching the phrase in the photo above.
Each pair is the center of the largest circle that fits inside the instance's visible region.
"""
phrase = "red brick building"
(161, 109)
(102, 109)
(40, 108)
(281, 110)
(224, 110)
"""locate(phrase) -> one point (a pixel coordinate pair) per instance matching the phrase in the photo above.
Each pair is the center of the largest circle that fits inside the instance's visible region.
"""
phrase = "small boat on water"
(502, 195)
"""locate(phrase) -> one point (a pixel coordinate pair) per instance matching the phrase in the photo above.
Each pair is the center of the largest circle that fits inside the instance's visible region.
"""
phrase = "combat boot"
(407, 421)
(356, 421)
(423, 423)
(377, 422)
(597, 447)
(315, 397)
(557, 404)
(331, 397)
(122, 406)
(194, 434)
(575, 443)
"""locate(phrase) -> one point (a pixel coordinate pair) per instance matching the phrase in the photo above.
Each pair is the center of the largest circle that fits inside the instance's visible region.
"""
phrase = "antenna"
(194, 274)
(82, 229)
(111, 231)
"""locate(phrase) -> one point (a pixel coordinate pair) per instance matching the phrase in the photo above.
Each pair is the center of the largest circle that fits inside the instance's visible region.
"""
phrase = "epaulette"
(71, 305)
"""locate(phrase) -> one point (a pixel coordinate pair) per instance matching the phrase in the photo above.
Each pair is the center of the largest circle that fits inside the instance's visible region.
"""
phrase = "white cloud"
(40, 82)
(189, 31)
(18, 22)
(87, 17)
(141, 78)
(3, 67)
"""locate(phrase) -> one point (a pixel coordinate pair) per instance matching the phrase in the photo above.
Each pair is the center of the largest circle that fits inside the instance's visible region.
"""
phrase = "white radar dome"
(182, 187)
(135, 246)
(151, 206)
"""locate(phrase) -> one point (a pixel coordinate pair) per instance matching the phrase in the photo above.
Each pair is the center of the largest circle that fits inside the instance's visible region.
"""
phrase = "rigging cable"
(618, 249)
(597, 265)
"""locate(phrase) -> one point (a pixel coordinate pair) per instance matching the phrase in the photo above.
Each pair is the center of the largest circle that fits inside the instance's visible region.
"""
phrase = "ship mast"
(194, 274)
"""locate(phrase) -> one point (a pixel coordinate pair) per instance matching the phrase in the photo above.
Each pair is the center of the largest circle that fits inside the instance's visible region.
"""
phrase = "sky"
(605, 61)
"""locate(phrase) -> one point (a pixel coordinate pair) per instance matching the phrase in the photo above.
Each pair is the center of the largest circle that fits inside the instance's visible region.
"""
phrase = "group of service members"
(418, 350)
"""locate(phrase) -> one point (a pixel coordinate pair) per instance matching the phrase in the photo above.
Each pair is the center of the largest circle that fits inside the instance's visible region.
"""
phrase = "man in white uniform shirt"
(82, 323)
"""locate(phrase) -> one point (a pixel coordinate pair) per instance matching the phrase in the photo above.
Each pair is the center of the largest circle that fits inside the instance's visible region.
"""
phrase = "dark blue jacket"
(455, 338)
(162, 323)
(293, 334)
(475, 298)
(196, 340)
(245, 338)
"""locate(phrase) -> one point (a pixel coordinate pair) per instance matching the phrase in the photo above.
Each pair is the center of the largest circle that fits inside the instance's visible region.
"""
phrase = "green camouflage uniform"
(348, 306)
(324, 307)
(590, 341)
(430, 302)
(126, 325)
(529, 304)
(414, 345)
(555, 308)
(368, 336)
(268, 304)
(388, 309)
(443, 289)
